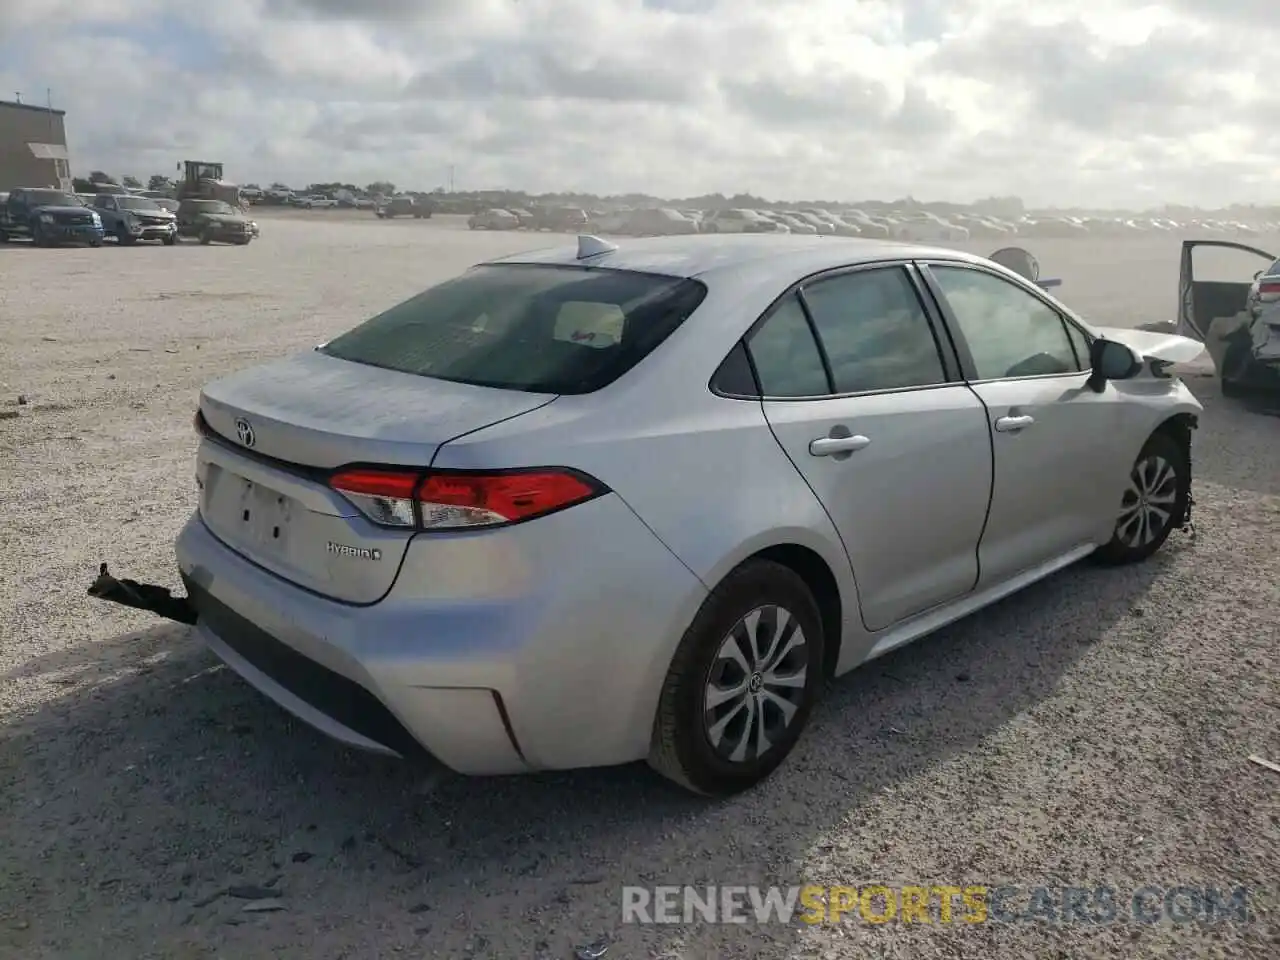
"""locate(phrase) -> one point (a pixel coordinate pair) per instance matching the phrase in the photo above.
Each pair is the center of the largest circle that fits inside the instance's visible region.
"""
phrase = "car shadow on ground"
(151, 779)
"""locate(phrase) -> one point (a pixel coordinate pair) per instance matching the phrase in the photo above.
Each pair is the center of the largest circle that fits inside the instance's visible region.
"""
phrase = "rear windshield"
(543, 329)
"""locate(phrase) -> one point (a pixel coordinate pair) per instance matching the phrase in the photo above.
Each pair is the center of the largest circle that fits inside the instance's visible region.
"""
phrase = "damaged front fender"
(142, 596)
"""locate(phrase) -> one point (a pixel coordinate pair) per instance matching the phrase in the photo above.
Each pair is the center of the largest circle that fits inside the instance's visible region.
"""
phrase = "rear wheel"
(206, 237)
(742, 683)
(1153, 504)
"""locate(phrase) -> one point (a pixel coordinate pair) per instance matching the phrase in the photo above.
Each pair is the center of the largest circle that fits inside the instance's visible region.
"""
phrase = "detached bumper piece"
(142, 596)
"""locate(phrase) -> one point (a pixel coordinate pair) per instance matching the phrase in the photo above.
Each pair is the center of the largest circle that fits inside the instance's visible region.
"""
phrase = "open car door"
(1200, 302)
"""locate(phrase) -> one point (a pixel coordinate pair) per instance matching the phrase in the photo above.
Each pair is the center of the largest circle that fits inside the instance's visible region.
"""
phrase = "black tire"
(95, 243)
(206, 237)
(682, 749)
(123, 237)
(1235, 368)
(1160, 448)
(38, 236)
(4, 237)
(170, 240)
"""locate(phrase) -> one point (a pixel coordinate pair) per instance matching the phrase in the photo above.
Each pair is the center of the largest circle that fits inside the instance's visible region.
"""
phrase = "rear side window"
(876, 333)
(544, 329)
(786, 356)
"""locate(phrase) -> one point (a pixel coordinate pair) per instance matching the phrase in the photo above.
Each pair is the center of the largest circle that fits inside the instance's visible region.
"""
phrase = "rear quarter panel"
(703, 472)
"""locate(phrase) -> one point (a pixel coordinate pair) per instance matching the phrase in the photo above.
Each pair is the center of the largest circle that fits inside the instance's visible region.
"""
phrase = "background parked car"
(130, 219)
(48, 218)
(560, 219)
(738, 221)
(494, 219)
(212, 221)
(402, 205)
(658, 222)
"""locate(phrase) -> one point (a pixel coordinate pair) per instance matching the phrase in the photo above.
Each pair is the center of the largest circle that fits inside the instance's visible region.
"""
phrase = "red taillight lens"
(455, 500)
(450, 500)
(384, 496)
(1269, 288)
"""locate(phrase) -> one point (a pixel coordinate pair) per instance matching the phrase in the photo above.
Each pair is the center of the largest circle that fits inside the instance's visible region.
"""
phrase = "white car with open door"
(1238, 320)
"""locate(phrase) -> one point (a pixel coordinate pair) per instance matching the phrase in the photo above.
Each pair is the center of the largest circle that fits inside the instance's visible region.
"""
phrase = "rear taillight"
(384, 496)
(450, 500)
(1269, 288)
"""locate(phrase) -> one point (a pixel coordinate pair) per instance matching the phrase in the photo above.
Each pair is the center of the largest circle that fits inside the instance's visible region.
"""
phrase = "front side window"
(1010, 332)
(876, 333)
(544, 329)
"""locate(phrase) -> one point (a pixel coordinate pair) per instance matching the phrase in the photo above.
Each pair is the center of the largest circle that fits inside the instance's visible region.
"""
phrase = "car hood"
(1168, 347)
(223, 218)
(154, 214)
(57, 208)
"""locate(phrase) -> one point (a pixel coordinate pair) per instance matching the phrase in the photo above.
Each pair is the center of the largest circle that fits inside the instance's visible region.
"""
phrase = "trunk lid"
(282, 426)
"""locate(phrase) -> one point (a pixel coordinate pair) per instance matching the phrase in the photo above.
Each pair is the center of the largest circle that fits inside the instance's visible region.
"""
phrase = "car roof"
(790, 256)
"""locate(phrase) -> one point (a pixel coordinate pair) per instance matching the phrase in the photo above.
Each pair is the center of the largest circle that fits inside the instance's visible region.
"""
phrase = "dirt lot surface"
(1093, 730)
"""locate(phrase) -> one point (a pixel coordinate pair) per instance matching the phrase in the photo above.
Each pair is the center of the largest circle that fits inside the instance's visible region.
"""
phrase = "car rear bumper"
(494, 653)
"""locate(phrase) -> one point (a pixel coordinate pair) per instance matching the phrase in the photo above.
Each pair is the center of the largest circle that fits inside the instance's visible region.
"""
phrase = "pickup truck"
(48, 217)
(130, 219)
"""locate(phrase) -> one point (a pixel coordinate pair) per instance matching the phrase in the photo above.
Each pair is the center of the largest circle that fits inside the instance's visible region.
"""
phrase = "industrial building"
(33, 147)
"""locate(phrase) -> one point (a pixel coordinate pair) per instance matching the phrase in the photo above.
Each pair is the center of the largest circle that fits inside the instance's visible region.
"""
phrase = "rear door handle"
(1013, 424)
(829, 446)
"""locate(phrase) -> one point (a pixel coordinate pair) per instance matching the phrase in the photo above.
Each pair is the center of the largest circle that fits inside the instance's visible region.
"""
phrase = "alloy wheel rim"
(756, 684)
(1147, 506)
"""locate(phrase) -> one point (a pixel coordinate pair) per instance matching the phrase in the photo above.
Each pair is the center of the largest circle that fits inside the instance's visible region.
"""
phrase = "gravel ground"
(1091, 730)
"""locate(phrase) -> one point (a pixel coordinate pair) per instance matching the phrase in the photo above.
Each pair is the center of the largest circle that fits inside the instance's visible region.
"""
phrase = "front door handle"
(830, 446)
(1014, 424)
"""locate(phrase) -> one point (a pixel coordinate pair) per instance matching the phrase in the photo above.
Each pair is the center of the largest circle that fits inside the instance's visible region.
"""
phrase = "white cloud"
(1067, 101)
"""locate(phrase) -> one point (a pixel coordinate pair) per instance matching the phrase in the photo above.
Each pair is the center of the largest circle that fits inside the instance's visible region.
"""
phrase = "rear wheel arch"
(817, 575)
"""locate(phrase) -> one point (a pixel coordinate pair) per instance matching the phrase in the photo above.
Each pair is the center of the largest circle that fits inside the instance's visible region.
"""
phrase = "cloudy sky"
(1100, 102)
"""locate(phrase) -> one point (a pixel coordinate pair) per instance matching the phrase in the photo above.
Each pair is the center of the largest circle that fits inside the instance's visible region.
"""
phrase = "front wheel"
(170, 240)
(742, 683)
(1154, 502)
(206, 237)
(123, 237)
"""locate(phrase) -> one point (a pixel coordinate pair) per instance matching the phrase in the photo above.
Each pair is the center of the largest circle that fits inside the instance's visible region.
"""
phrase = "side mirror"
(1111, 361)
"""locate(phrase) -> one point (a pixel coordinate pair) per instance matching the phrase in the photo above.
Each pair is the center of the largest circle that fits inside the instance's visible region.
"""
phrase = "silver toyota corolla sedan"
(610, 502)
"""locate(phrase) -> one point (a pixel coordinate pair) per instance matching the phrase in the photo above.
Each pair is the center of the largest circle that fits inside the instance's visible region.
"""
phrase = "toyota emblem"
(244, 430)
